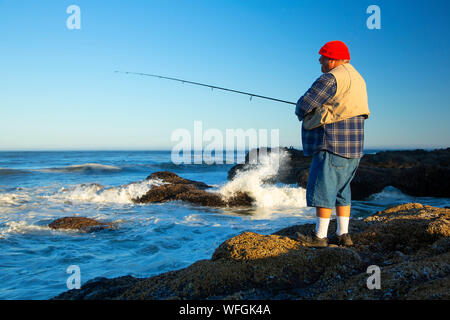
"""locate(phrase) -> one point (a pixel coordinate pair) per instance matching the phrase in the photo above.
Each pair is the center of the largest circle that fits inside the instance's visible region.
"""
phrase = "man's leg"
(342, 218)
(321, 194)
(323, 212)
(343, 203)
(322, 221)
(317, 238)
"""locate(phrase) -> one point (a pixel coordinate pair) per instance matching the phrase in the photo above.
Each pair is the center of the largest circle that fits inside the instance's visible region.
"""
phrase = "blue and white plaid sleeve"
(322, 90)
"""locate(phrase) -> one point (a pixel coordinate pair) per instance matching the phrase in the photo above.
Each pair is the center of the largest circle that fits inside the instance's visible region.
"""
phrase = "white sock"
(342, 225)
(322, 227)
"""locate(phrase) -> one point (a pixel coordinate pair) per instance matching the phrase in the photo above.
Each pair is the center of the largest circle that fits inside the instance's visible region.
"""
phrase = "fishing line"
(206, 85)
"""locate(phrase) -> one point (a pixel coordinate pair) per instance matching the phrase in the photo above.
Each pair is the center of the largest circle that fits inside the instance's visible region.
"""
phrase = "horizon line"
(194, 150)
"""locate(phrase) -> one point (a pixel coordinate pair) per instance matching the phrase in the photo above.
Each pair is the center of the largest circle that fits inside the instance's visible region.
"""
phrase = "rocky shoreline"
(409, 243)
(417, 173)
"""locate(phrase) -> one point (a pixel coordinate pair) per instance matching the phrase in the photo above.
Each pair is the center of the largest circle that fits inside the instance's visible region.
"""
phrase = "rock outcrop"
(173, 178)
(79, 223)
(418, 173)
(178, 188)
(409, 243)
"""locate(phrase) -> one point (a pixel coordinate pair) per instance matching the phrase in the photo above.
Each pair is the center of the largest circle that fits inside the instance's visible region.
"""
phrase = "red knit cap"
(335, 50)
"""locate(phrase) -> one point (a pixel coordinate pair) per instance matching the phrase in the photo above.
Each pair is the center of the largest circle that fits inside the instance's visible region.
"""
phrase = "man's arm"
(322, 90)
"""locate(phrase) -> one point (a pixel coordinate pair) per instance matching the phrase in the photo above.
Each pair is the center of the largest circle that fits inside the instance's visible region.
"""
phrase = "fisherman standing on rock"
(333, 111)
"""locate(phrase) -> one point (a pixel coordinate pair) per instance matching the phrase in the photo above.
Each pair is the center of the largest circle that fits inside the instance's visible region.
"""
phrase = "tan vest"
(349, 101)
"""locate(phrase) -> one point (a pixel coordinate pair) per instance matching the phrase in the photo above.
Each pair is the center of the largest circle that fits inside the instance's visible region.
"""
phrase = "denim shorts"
(329, 180)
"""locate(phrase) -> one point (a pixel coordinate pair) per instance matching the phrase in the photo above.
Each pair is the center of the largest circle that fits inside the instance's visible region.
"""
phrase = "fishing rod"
(206, 85)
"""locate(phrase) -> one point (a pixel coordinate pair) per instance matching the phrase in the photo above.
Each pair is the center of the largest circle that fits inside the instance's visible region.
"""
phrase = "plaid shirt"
(344, 138)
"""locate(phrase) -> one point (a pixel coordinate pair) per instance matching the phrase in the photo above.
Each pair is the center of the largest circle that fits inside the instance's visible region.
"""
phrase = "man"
(333, 111)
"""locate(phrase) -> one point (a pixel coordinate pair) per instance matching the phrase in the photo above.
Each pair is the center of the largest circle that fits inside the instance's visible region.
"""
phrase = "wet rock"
(163, 193)
(79, 223)
(441, 245)
(410, 244)
(204, 198)
(100, 289)
(172, 178)
(178, 188)
(367, 181)
(415, 172)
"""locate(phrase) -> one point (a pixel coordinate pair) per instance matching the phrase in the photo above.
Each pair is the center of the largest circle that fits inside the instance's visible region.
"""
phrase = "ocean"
(148, 239)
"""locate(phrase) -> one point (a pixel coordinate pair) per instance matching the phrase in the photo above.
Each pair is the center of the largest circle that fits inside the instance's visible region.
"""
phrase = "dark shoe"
(311, 240)
(343, 240)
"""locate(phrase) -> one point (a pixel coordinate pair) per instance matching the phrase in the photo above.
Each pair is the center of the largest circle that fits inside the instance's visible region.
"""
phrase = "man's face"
(325, 63)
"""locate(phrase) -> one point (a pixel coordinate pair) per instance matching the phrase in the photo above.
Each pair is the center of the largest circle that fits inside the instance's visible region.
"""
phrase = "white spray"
(266, 195)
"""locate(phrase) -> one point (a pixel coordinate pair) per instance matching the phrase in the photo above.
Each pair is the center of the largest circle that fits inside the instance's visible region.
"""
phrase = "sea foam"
(123, 194)
(266, 195)
(13, 198)
(21, 227)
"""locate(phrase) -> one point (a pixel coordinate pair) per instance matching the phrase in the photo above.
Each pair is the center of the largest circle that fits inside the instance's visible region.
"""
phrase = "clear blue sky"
(58, 89)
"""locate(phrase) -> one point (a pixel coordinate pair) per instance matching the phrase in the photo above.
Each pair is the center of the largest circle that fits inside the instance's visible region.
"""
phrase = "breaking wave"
(98, 194)
(266, 195)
